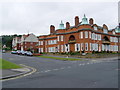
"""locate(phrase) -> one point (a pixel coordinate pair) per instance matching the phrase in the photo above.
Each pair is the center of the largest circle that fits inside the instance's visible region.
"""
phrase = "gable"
(31, 38)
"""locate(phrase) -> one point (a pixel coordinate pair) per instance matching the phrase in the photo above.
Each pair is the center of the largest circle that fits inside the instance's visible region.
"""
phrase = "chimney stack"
(91, 21)
(76, 21)
(67, 25)
(105, 26)
(52, 29)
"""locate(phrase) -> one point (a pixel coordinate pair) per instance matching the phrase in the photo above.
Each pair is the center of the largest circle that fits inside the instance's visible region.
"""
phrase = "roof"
(84, 20)
(117, 29)
(72, 27)
(99, 27)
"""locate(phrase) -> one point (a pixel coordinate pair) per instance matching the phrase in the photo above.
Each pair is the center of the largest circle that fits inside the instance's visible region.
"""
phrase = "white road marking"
(47, 71)
(55, 69)
(37, 72)
(82, 64)
(88, 63)
(41, 71)
(62, 68)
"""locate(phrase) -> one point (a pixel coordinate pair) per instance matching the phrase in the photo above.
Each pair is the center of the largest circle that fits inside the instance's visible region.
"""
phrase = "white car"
(18, 52)
(29, 53)
(23, 52)
(3, 51)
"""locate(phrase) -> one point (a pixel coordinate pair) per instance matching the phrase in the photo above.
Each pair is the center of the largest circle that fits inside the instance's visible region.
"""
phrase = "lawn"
(58, 58)
(8, 65)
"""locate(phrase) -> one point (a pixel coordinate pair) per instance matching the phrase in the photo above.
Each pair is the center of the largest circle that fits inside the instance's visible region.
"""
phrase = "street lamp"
(67, 50)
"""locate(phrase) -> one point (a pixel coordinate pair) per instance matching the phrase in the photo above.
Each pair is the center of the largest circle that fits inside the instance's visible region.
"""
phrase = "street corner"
(10, 74)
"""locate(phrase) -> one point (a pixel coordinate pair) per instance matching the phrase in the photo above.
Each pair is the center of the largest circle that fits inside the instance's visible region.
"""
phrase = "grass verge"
(58, 58)
(8, 65)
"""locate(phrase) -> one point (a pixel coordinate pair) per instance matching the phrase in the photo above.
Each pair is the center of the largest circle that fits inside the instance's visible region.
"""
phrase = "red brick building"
(84, 36)
(25, 42)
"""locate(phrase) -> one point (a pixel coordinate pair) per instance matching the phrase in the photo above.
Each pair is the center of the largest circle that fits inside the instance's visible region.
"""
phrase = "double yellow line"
(33, 70)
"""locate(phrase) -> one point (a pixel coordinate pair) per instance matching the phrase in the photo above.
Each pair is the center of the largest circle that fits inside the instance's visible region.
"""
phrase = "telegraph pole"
(119, 39)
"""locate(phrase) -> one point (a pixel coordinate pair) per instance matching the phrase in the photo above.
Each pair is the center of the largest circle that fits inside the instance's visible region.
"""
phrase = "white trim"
(89, 34)
(81, 34)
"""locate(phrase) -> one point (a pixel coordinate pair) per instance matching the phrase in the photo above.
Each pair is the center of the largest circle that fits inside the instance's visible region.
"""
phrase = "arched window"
(106, 38)
(72, 37)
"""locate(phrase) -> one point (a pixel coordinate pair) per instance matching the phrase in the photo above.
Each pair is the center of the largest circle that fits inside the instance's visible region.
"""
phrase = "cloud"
(36, 17)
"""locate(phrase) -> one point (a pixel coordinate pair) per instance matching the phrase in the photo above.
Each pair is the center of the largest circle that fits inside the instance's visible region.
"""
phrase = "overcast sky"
(36, 17)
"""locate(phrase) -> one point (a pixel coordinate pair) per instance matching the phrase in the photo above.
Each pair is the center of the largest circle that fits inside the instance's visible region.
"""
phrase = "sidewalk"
(10, 73)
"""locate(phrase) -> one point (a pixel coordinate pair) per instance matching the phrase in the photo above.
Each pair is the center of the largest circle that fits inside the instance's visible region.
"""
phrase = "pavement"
(65, 74)
(11, 73)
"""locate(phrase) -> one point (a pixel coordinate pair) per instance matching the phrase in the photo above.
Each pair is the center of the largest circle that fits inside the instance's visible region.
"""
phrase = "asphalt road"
(64, 74)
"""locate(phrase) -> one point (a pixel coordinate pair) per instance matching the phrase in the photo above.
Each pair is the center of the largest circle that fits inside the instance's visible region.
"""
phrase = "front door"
(72, 47)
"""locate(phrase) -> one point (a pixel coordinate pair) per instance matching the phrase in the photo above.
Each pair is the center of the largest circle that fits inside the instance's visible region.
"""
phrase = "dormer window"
(113, 32)
(95, 28)
(105, 31)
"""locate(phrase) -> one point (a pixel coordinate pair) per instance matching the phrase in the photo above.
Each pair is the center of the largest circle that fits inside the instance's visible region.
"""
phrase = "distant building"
(16, 43)
(25, 42)
(84, 36)
(4, 46)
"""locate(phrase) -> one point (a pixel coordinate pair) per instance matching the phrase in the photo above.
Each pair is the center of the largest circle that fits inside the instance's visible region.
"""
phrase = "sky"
(36, 17)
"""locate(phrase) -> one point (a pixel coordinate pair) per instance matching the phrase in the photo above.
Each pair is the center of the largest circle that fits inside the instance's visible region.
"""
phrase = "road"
(64, 74)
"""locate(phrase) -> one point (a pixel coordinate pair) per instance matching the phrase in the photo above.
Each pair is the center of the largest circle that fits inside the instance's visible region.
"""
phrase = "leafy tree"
(7, 40)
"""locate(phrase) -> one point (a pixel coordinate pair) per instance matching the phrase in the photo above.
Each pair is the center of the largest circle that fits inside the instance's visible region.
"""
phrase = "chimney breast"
(91, 21)
(76, 21)
(105, 26)
(52, 29)
(67, 25)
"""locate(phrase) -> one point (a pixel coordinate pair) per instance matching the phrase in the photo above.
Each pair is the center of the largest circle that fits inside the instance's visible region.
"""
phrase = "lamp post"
(67, 50)
(119, 39)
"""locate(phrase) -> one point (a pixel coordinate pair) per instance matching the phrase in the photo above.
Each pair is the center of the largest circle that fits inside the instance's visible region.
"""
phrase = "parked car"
(29, 53)
(24, 52)
(13, 52)
(18, 52)
(3, 51)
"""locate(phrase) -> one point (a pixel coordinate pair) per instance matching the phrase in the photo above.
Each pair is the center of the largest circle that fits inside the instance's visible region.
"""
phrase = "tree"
(7, 40)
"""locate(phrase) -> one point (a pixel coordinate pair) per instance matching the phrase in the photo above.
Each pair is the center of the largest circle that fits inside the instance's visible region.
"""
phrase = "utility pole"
(118, 39)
